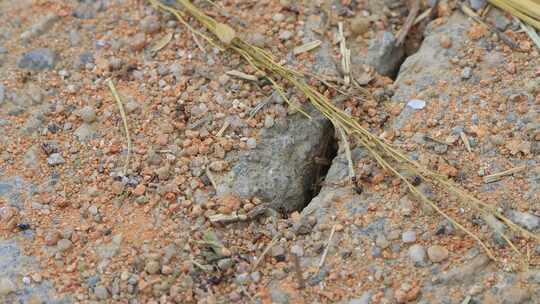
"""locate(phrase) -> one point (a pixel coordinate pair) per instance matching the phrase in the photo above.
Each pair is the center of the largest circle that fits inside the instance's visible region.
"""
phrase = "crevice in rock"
(322, 165)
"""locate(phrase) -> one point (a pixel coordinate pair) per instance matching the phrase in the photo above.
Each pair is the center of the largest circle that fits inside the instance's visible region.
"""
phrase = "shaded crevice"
(322, 164)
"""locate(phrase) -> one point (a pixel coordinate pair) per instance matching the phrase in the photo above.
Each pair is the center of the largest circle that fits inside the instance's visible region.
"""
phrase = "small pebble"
(297, 250)
(360, 25)
(278, 17)
(285, 35)
(466, 73)
(251, 143)
(437, 253)
(101, 292)
(55, 159)
(88, 114)
(408, 236)
(417, 254)
(152, 267)
(150, 24)
(268, 121)
(64, 245)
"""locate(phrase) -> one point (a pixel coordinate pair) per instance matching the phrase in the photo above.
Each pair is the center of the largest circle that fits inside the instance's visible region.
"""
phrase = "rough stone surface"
(383, 55)
(417, 253)
(433, 62)
(12, 264)
(437, 253)
(38, 59)
(280, 169)
(527, 220)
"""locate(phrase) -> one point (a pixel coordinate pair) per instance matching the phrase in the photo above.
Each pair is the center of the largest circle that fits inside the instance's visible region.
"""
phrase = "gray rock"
(64, 245)
(477, 4)
(437, 253)
(55, 159)
(41, 27)
(281, 168)
(31, 157)
(88, 9)
(111, 249)
(417, 254)
(286, 35)
(383, 54)
(2, 93)
(432, 63)
(278, 17)
(74, 37)
(88, 114)
(13, 263)
(526, 220)
(242, 279)
(84, 59)
(150, 24)
(85, 132)
(37, 59)
(278, 296)
(225, 264)
(200, 197)
(364, 299)
(465, 272)
(277, 251)
(251, 143)
(6, 287)
(297, 250)
(466, 73)
(515, 295)
(268, 121)
(408, 236)
(499, 19)
(101, 292)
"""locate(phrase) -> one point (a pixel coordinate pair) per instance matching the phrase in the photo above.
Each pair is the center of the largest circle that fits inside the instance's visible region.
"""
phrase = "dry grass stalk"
(345, 55)
(242, 75)
(498, 176)
(465, 140)
(390, 158)
(505, 38)
(410, 21)
(222, 130)
(526, 10)
(268, 247)
(298, 271)
(328, 243)
(306, 47)
(124, 120)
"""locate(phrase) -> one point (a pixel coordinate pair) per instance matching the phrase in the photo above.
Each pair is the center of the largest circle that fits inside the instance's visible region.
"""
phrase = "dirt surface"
(85, 220)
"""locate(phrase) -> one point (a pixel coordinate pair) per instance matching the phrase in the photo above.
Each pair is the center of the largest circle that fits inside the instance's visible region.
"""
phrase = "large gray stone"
(281, 169)
(13, 263)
